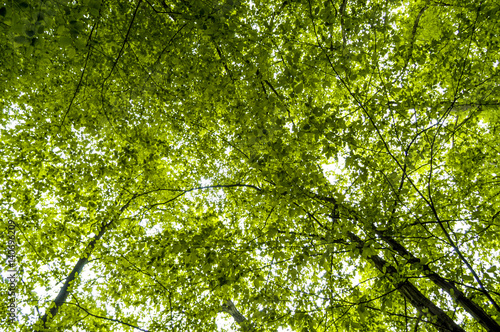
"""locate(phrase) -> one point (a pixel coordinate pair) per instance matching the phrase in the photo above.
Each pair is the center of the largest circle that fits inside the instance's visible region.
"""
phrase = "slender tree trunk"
(409, 291)
(471, 307)
(65, 289)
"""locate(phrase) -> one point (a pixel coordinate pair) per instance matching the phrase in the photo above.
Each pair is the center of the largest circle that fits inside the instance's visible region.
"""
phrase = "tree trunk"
(410, 292)
(471, 307)
(64, 291)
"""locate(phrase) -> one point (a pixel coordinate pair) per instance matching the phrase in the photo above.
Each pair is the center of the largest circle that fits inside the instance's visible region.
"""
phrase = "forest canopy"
(295, 165)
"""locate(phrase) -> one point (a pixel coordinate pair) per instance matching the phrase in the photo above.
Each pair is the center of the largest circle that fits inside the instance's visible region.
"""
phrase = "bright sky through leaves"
(269, 165)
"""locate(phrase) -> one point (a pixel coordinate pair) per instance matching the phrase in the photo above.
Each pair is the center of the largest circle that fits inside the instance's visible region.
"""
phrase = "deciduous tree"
(304, 165)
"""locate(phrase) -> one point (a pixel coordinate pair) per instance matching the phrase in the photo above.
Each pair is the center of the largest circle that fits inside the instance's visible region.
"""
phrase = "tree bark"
(230, 308)
(410, 292)
(471, 307)
(65, 289)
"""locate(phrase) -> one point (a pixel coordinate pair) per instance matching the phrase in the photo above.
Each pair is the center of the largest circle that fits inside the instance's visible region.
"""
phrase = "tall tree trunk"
(471, 307)
(65, 289)
(409, 291)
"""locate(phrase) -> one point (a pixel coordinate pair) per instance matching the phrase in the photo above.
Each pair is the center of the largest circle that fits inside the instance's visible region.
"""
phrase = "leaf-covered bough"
(302, 165)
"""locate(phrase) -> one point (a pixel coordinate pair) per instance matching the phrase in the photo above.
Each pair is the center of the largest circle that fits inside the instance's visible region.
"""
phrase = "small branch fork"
(230, 308)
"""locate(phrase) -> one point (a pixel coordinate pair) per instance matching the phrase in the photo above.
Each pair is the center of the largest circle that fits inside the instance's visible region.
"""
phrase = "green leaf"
(22, 40)
(65, 41)
(319, 165)
(492, 269)
(299, 87)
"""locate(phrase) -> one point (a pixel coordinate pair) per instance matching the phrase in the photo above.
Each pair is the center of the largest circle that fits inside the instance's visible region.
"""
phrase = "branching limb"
(219, 52)
(106, 318)
(183, 192)
(413, 34)
(78, 86)
(230, 308)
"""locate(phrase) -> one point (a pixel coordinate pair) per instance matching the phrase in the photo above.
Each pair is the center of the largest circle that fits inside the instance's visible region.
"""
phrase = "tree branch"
(106, 318)
(230, 308)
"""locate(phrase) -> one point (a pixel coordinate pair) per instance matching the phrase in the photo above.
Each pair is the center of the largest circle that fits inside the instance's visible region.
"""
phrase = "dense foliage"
(304, 165)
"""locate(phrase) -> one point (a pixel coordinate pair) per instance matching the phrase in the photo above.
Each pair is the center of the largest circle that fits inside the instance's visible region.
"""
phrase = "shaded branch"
(413, 34)
(78, 86)
(342, 22)
(123, 44)
(106, 318)
(219, 52)
(279, 97)
(183, 192)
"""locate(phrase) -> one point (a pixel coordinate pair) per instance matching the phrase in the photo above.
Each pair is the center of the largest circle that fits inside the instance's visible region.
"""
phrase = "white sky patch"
(205, 182)
(224, 322)
(333, 169)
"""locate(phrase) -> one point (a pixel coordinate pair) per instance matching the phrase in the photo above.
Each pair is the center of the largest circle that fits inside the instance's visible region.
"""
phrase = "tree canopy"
(295, 165)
